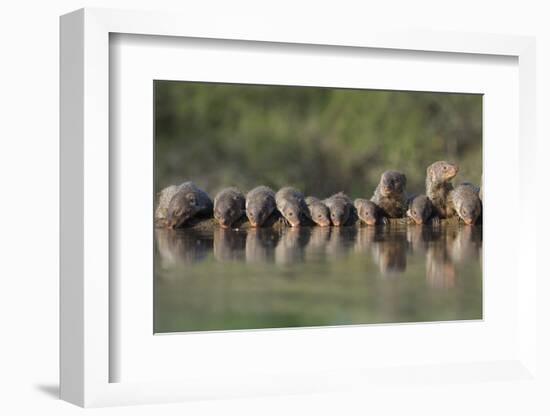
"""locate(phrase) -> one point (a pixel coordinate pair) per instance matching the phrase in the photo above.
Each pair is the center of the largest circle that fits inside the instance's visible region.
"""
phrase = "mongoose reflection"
(390, 253)
(317, 245)
(228, 244)
(340, 237)
(466, 245)
(260, 245)
(290, 247)
(181, 248)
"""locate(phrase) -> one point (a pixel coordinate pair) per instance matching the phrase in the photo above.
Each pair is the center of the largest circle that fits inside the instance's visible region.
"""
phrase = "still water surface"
(312, 276)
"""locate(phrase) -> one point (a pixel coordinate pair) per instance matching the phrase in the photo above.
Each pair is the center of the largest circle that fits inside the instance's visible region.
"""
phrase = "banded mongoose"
(292, 205)
(466, 202)
(420, 209)
(229, 206)
(368, 212)
(187, 202)
(340, 207)
(260, 204)
(439, 187)
(164, 197)
(318, 211)
(389, 195)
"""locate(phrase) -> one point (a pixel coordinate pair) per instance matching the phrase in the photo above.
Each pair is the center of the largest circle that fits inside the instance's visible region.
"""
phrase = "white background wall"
(29, 191)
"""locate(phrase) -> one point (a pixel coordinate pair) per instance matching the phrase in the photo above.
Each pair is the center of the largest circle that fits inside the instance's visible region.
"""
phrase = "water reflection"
(342, 240)
(182, 247)
(260, 245)
(443, 247)
(316, 249)
(390, 252)
(290, 248)
(308, 276)
(229, 245)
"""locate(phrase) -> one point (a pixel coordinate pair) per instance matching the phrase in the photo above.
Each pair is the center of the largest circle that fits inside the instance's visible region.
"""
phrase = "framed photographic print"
(267, 213)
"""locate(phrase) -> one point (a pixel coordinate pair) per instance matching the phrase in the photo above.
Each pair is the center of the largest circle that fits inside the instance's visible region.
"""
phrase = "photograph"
(281, 206)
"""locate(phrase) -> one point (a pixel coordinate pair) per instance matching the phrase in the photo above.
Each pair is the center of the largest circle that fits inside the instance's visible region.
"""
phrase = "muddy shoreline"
(277, 222)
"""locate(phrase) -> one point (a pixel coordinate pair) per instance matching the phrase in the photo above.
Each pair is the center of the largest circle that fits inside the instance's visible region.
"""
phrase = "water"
(313, 276)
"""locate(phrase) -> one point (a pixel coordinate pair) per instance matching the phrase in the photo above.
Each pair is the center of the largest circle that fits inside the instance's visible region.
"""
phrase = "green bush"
(320, 140)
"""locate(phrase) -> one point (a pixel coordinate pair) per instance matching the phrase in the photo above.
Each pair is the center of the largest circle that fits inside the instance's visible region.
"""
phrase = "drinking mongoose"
(340, 208)
(369, 212)
(188, 201)
(318, 212)
(260, 204)
(292, 205)
(466, 202)
(420, 209)
(229, 206)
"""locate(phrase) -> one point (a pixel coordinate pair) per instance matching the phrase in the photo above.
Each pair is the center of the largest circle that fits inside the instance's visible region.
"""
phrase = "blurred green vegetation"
(320, 140)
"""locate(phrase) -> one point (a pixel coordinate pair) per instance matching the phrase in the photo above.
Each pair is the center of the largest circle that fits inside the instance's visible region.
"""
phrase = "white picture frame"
(86, 167)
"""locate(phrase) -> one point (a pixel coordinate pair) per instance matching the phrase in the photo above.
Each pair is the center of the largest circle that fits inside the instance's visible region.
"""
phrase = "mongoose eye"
(444, 167)
(290, 214)
(319, 216)
(414, 212)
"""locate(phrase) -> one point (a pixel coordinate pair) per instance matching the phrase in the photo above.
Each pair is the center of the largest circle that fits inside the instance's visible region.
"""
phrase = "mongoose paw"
(436, 221)
(385, 221)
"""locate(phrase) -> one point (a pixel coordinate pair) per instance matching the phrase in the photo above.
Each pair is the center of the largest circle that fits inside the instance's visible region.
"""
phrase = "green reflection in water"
(248, 279)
